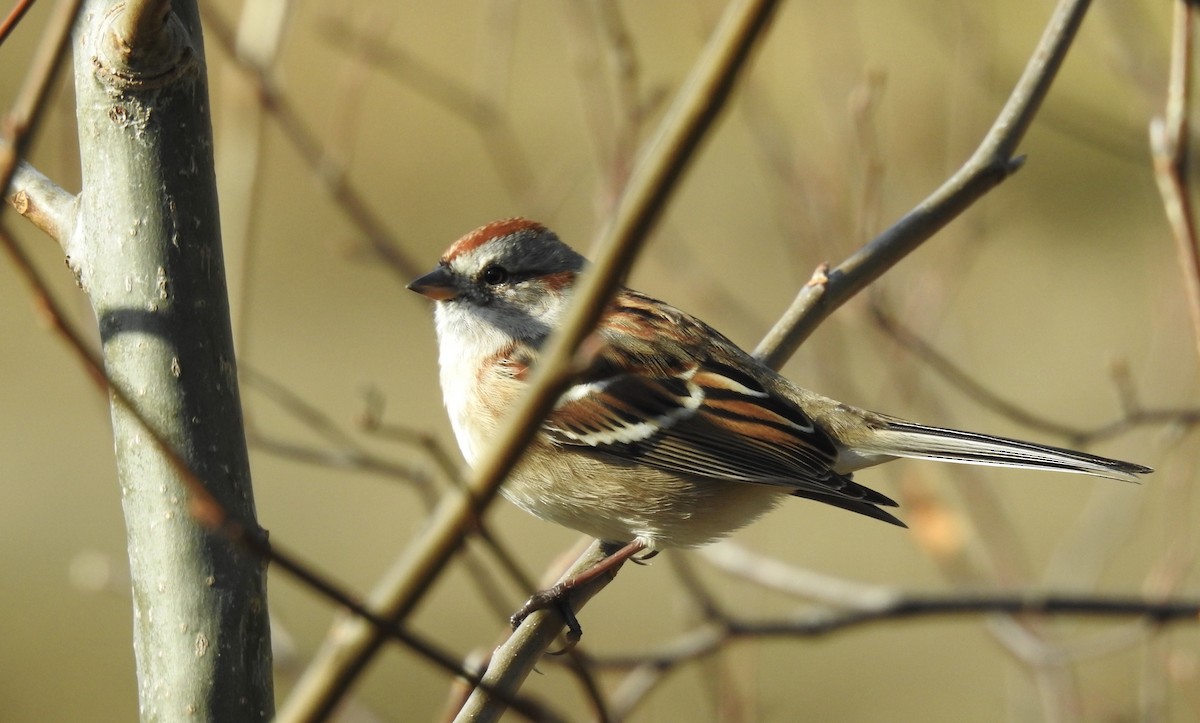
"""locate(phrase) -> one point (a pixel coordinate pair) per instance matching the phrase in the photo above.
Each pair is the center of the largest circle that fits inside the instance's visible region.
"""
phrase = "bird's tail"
(898, 438)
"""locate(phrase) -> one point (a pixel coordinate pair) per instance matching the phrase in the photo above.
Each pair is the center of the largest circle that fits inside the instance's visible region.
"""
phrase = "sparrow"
(672, 436)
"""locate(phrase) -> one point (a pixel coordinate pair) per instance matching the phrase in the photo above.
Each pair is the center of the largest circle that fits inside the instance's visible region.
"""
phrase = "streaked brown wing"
(709, 424)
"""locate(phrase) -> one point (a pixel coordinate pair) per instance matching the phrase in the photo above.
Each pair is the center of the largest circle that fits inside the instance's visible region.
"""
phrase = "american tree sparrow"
(674, 436)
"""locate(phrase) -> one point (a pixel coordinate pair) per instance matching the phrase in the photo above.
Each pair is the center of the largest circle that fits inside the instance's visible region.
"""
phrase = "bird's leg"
(558, 595)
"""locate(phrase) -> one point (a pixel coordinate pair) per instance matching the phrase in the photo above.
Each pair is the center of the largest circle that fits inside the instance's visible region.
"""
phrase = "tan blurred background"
(1065, 271)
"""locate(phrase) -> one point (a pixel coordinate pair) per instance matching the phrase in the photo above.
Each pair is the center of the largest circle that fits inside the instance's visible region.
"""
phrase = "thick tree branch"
(147, 252)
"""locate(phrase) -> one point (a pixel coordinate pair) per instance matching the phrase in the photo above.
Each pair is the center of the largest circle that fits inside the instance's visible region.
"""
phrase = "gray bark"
(147, 250)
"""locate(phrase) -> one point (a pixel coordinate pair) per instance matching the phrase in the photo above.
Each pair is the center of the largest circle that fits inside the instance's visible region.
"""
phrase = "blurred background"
(1060, 293)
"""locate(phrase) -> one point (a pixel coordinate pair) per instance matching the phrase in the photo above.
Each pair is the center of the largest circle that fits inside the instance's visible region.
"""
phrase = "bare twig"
(371, 422)
(733, 559)
(629, 110)
(1133, 417)
(991, 163)
(22, 119)
(50, 208)
(260, 34)
(345, 452)
(864, 109)
(479, 111)
(348, 454)
(1170, 143)
(307, 144)
(13, 19)
(707, 638)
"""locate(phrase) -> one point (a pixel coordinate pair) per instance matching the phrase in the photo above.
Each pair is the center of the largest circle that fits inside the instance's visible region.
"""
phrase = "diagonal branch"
(991, 163)
(307, 144)
(1169, 142)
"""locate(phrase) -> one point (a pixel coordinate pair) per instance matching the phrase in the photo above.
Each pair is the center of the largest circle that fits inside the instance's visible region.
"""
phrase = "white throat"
(464, 342)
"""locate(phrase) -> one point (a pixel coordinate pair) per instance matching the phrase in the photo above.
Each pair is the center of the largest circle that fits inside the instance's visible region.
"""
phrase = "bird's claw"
(557, 597)
(644, 559)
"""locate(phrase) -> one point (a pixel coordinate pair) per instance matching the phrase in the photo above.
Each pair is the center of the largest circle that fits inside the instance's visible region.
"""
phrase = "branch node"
(20, 202)
(820, 276)
(142, 45)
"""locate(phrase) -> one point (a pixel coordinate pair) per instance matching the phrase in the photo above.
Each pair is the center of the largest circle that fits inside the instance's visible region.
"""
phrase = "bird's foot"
(558, 596)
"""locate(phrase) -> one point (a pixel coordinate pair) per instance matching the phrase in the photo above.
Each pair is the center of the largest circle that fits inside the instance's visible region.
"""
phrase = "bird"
(671, 436)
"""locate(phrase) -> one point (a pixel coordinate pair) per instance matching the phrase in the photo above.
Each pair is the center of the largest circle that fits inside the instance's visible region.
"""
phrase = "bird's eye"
(494, 275)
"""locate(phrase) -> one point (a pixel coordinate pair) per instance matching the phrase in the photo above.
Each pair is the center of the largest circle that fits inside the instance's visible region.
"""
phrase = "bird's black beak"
(437, 285)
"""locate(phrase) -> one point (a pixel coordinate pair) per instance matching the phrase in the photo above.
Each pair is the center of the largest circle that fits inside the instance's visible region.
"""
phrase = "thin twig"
(348, 454)
(345, 453)
(1170, 143)
(1134, 416)
(629, 111)
(706, 639)
(733, 559)
(22, 120)
(13, 18)
(483, 114)
(307, 144)
(49, 207)
(991, 163)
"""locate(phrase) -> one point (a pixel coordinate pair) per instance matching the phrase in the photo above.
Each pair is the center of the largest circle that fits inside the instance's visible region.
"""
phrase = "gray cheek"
(521, 316)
